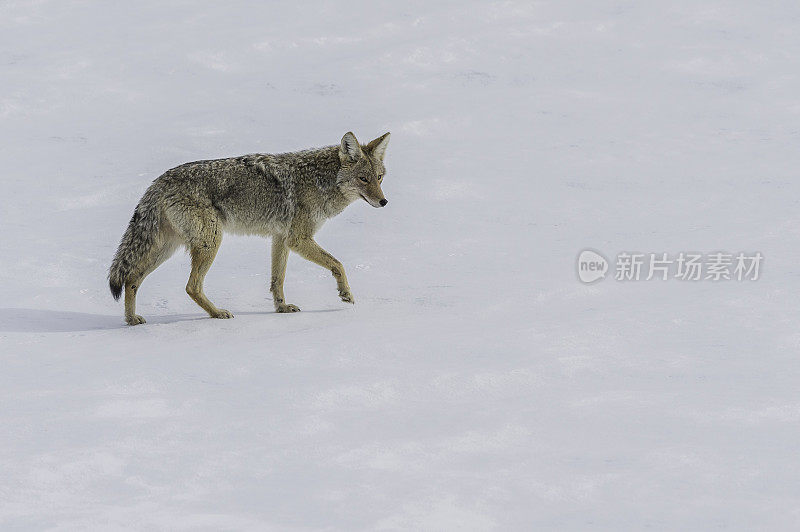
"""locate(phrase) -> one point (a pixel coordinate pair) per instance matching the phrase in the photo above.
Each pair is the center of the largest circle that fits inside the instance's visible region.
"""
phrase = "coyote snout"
(377, 203)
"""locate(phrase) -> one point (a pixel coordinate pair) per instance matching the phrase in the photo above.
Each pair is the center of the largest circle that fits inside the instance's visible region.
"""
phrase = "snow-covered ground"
(476, 384)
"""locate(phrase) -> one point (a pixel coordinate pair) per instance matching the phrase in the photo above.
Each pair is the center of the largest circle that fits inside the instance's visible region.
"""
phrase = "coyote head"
(362, 169)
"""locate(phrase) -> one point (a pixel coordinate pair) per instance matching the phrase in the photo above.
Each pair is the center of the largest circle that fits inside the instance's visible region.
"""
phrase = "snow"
(476, 384)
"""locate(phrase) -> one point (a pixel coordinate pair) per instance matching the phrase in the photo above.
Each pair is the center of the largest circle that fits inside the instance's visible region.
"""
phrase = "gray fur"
(285, 196)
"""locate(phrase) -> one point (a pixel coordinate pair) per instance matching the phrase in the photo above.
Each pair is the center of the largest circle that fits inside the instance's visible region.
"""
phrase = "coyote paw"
(285, 307)
(347, 297)
(135, 320)
(222, 314)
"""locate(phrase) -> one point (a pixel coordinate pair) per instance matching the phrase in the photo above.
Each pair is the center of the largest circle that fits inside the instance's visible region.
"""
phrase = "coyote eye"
(364, 179)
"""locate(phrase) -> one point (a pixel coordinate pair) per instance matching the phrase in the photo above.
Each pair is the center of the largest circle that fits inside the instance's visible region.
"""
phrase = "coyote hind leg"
(202, 257)
(199, 228)
(131, 318)
(132, 284)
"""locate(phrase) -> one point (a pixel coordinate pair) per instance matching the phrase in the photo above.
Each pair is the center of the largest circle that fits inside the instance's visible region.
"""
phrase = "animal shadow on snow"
(42, 321)
(34, 320)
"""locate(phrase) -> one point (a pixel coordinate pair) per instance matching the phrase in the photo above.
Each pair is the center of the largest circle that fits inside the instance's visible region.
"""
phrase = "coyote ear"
(378, 146)
(350, 149)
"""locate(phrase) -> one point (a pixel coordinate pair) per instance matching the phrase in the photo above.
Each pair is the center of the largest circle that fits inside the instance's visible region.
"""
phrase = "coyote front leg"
(310, 250)
(280, 253)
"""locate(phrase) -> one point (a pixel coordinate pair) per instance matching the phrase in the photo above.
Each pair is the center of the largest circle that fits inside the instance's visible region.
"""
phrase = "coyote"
(286, 196)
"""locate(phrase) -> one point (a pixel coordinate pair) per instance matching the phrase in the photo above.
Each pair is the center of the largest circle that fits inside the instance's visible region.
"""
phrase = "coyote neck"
(333, 198)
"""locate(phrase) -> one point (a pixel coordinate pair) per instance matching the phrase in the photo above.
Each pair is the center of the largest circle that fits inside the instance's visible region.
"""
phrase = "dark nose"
(383, 202)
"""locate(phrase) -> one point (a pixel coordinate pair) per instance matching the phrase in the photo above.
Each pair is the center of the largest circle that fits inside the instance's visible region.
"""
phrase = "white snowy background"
(476, 384)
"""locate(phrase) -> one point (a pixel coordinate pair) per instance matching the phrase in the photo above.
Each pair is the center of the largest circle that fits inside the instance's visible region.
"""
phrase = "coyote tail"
(136, 242)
